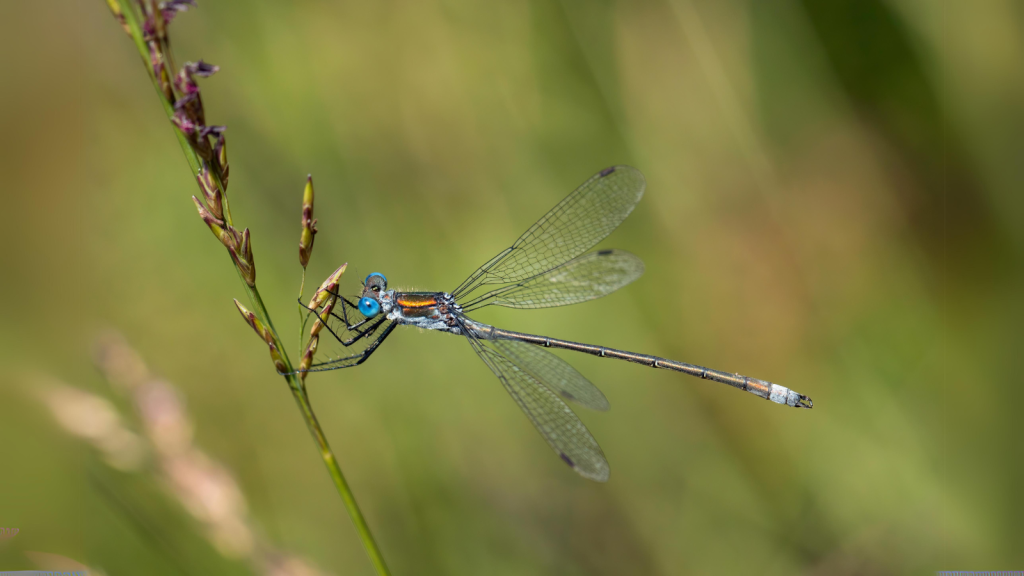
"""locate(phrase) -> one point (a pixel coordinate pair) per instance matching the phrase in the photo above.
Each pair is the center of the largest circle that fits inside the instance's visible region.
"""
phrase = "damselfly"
(547, 266)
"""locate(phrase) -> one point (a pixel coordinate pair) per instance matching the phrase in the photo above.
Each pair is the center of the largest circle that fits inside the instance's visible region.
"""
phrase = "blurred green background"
(833, 203)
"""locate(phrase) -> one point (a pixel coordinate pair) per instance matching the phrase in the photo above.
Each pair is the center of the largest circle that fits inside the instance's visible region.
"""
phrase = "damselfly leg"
(349, 329)
(356, 328)
(354, 359)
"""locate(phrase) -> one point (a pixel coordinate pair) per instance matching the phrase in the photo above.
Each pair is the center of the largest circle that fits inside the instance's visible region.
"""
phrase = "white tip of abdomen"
(783, 395)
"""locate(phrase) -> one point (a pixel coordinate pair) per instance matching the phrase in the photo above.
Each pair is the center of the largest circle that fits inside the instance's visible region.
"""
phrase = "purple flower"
(215, 131)
(185, 80)
(171, 8)
(202, 69)
(183, 122)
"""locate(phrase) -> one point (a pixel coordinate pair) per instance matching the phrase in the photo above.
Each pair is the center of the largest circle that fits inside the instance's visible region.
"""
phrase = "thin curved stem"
(302, 317)
(339, 480)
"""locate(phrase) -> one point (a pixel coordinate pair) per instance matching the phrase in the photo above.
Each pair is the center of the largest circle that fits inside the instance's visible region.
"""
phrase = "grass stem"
(302, 309)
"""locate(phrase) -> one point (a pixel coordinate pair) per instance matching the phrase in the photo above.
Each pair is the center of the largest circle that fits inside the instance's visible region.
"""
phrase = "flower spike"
(308, 224)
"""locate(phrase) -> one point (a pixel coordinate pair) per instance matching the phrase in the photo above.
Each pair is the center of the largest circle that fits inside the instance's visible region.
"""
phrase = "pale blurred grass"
(853, 235)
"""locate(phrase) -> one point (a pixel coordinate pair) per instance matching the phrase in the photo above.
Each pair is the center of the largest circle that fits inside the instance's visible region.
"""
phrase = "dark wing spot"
(568, 396)
(566, 459)
(607, 171)
(605, 252)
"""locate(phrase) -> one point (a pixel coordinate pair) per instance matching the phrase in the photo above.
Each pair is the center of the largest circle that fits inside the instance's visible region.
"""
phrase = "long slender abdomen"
(761, 388)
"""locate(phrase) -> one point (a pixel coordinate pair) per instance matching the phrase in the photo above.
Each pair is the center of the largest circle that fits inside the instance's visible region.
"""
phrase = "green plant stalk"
(302, 317)
(296, 385)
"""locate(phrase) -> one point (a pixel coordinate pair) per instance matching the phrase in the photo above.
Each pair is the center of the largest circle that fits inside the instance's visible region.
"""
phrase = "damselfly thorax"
(547, 266)
(428, 310)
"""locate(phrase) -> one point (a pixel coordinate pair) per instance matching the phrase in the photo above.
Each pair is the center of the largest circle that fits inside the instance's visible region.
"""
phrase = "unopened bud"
(266, 335)
(307, 357)
(242, 254)
(246, 250)
(327, 289)
(252, 320)
(308, 224)
(211, 192)
(275, 355)
(220, 153)
(227, 235)
(323, 316)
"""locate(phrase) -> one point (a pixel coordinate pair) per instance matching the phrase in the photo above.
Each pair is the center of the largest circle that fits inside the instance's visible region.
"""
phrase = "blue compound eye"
(369, 307)
(376, 279)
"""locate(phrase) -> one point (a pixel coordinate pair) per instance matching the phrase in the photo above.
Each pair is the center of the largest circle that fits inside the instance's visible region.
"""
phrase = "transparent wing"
(556, 422)
(573, 226)
(348, 337)
(583, 278)
(553, 372)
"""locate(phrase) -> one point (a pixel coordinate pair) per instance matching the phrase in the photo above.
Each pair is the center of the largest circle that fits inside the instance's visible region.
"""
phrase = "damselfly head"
(373, 286)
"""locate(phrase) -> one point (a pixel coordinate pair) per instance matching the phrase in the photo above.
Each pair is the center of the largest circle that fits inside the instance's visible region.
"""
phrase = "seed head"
(327, 289)
(308, 224)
